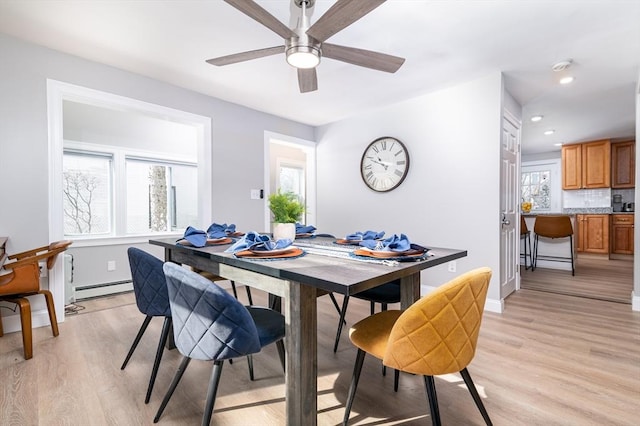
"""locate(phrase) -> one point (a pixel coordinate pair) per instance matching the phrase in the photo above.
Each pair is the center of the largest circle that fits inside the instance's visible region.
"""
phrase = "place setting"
(216, 234)
(357, 237)
(397, 248)
(254, 245)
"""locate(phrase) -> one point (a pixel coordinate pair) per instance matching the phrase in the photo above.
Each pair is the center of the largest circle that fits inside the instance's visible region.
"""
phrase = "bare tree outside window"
(158, 198)
(79, 188)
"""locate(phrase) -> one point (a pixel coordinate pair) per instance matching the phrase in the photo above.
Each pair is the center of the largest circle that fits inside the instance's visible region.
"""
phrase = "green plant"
(285, 207)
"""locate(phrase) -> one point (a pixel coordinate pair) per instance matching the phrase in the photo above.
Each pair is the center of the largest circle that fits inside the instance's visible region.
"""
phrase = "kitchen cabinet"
(623, 164)
(622, 233)
(586, 165)
(592, 233)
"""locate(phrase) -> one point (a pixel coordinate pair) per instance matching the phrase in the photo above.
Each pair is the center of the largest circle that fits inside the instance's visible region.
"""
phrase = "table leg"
(409, 290)
(301, 354)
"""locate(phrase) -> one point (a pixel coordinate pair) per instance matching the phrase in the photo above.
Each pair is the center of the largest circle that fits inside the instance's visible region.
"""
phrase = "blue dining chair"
(152, 299)
(211, 325)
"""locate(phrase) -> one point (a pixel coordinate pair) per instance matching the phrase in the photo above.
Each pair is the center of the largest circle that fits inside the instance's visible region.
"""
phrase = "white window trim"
(553, 165)
(57, 92)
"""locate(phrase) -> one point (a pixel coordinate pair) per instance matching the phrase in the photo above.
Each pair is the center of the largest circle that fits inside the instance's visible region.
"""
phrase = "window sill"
(121, 240)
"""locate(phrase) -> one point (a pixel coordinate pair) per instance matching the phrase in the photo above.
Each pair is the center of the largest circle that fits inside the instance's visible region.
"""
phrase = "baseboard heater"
(105, 289)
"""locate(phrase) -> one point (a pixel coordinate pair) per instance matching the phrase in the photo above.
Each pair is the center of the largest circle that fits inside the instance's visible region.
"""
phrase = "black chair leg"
(396, 379)
(143, 328)
(250, 364)
(166, 327)
(280, 347)
(357, 368)
(343, 312)
(430, 384)
(573, 269)
(474, 393)
(174, 383)
(248, 289)
(534, 262)
(335, 304)
(211, 392)
(234, 289)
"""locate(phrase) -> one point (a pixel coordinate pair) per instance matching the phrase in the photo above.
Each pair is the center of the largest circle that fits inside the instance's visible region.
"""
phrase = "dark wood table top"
(341, 275)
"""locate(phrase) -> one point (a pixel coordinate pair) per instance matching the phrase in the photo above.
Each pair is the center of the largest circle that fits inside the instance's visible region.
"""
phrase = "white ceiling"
(444, 42)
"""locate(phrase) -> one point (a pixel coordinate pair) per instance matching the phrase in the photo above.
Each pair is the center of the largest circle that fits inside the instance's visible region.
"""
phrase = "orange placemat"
(380, 254)
(212, 242)
(247, 254)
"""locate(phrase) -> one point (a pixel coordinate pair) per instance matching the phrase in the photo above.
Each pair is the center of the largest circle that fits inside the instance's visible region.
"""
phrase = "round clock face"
(384, 164)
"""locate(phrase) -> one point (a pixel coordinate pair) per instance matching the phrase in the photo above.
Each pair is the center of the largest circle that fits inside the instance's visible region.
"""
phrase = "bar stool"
(525, 235)
(553, 227)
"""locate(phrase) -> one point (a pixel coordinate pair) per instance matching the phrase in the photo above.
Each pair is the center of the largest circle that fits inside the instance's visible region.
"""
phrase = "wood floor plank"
(549, 359)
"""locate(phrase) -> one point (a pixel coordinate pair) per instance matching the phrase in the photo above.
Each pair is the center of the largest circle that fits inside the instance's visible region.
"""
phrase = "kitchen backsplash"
(587, 198)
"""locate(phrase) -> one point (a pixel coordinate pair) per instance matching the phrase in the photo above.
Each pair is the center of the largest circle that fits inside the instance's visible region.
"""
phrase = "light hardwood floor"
(596, 277)
(549, 359)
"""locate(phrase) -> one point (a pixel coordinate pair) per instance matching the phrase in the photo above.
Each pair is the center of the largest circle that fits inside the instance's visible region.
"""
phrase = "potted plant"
(287, 210)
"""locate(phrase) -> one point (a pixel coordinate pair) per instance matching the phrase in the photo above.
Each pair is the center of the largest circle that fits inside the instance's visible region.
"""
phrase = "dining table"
(323, 267)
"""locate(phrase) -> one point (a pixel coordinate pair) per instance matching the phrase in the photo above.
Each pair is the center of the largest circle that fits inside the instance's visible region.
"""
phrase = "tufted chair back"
(149, 284)
(438, 334)
(208, 322)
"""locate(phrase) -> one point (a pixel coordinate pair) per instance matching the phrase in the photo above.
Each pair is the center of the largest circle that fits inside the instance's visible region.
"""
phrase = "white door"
(509, 206)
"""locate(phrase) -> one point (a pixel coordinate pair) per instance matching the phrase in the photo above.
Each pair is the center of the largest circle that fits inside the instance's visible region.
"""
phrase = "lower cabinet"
(592, 233)
(622, 233)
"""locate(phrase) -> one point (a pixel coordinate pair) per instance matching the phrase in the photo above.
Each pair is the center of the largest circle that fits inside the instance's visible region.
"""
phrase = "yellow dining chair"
(434, 336)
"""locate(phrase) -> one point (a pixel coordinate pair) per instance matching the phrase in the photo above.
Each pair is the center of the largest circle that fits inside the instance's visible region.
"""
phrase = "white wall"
(451, 195)
(237, 140)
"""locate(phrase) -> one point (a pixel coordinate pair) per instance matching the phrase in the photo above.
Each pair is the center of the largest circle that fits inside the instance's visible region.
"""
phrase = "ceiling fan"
(305, 45)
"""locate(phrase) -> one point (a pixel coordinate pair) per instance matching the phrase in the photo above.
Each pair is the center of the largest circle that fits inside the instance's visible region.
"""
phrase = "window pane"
(292, 180)
(86, 189)
(160, 197)
(536, 188)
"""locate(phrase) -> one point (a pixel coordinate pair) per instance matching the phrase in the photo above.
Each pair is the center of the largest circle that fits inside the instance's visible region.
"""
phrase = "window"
(540, 185)
(291, 179)
(116, 192)
(87, 201)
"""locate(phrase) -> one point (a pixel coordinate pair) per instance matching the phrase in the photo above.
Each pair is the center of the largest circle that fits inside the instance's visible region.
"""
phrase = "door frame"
(309, 147)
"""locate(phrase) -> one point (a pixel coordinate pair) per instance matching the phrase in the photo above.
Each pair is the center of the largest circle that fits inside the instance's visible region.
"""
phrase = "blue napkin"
(196, 237)
(393, 243)
(272, 245)
(367, 235)
(217, 230)
(249, 240)
(304, 229)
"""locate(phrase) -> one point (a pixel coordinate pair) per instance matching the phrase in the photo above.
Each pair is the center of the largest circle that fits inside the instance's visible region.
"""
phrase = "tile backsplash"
(586, 198)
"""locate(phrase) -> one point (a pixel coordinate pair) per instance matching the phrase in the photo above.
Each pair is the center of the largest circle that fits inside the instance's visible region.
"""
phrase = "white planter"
(283, 231)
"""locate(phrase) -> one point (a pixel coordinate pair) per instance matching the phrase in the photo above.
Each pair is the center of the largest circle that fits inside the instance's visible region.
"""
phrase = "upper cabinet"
(586, 165)
(623, 164)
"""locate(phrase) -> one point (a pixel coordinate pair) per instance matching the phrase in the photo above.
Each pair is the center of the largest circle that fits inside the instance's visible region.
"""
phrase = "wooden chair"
(548, 226)
(434, 336)
(24, 280)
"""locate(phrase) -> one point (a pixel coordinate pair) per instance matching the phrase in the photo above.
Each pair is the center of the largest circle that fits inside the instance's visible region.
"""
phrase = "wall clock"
(384, 164)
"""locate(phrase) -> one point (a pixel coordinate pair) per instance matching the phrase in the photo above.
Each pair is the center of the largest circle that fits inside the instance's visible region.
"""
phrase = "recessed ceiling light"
(549, 132)
(557, 144)
(536, 118)
(566, 80)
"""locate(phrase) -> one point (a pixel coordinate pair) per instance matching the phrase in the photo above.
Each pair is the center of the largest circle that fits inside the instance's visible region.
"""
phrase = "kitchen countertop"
(575, 211)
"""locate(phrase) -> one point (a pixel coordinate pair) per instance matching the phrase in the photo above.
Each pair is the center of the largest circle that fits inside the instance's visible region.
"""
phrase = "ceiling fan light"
(303, 57)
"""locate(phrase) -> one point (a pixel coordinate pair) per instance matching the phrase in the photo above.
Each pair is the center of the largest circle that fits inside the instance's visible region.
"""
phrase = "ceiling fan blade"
(245, 56)
(339, 16)
(361, 57)
(307, 80)
(253, 10)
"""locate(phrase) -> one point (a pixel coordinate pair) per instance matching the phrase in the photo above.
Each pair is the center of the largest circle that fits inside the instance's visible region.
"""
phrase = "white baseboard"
(11, 323)
(635, 301)
(96, 291)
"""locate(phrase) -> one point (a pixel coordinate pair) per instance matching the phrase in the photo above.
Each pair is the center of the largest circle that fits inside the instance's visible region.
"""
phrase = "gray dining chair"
(211, 325)
(150, 289)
